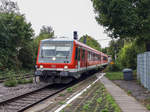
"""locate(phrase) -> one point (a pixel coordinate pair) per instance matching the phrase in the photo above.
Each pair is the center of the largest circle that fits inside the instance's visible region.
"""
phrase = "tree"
(91, 42)
(7, 6)
(114, 48)
(26, 56)
(47, 30)
(105, 50)
(15, 33)
(125, 18)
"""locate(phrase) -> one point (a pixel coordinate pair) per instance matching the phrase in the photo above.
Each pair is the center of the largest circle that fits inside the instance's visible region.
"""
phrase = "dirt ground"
(136, 90)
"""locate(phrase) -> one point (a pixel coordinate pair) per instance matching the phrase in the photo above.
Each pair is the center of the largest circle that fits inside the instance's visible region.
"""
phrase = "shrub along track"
(22, 102)
(16, 77)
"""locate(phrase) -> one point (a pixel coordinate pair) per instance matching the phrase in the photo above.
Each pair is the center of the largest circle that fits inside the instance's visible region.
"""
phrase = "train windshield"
(55, 51)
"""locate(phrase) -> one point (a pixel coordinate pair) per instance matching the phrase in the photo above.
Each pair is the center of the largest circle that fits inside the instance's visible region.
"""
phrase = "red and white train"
(62, 60)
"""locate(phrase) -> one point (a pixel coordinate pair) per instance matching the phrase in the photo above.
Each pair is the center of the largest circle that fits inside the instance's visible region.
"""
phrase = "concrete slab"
(127, 103)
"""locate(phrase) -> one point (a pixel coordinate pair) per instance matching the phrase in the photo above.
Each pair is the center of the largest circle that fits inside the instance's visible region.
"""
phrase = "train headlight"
(54, 58)
(65, 67)
(41, 66)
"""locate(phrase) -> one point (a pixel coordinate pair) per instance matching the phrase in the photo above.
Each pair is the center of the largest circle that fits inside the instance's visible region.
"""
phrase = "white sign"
(62, 48)
(48, 47)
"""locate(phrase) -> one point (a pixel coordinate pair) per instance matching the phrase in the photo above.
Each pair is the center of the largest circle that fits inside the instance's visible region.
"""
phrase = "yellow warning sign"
(112, 63)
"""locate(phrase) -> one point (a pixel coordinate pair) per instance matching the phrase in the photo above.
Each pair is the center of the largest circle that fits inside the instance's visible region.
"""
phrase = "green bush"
(24, 81)
(69, 90)
(20, 81)
(114, 67)
(148, 106)
(11, 83)
(26, 56)
(128, 56)
(29, 80)
(99, 100)
(104, 110)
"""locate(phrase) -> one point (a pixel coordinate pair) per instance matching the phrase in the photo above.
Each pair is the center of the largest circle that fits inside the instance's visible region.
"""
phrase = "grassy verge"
(114, 75)
(11, 83)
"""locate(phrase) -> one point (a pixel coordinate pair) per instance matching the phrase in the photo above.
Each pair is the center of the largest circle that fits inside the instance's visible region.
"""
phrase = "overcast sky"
(65, 16)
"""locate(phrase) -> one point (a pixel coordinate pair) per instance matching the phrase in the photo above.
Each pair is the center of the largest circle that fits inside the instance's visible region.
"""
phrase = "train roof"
(77, 42)
(58, 39)
(86, 46)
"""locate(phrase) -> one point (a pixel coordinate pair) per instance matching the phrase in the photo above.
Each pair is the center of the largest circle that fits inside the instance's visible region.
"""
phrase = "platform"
(126, 102)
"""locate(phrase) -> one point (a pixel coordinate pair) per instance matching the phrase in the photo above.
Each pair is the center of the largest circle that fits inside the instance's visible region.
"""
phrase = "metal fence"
(143, 69)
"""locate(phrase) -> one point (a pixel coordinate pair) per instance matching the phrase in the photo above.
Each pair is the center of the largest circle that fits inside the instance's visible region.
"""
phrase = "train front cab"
(54, 62)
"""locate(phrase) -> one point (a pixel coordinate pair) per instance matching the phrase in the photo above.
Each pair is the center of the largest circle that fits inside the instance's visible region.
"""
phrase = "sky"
(64, 16)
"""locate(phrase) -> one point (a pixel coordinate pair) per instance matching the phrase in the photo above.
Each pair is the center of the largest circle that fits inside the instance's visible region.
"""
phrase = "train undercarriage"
(56, 77)
(62, 77)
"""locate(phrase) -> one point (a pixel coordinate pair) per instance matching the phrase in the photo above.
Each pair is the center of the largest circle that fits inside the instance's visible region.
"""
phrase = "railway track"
(27, 100)
(23, 102)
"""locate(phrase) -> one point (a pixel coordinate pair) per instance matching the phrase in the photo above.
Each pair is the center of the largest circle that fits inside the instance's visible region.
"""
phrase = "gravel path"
(139, 92)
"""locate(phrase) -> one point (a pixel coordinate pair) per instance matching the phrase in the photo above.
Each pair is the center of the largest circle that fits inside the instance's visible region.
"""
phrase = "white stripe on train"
(74, 70)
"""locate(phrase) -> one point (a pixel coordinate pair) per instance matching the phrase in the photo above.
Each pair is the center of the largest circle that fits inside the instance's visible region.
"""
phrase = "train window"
(83, 54)
(89, 55)
(76, 53)
(92, 56)
(96, 57)
(105, 58)
(100, 57)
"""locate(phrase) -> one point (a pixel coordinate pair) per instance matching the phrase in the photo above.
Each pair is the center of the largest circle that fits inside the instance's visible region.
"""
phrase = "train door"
(77, 58)
(86, 59)
(79, 51)
(83, 58)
